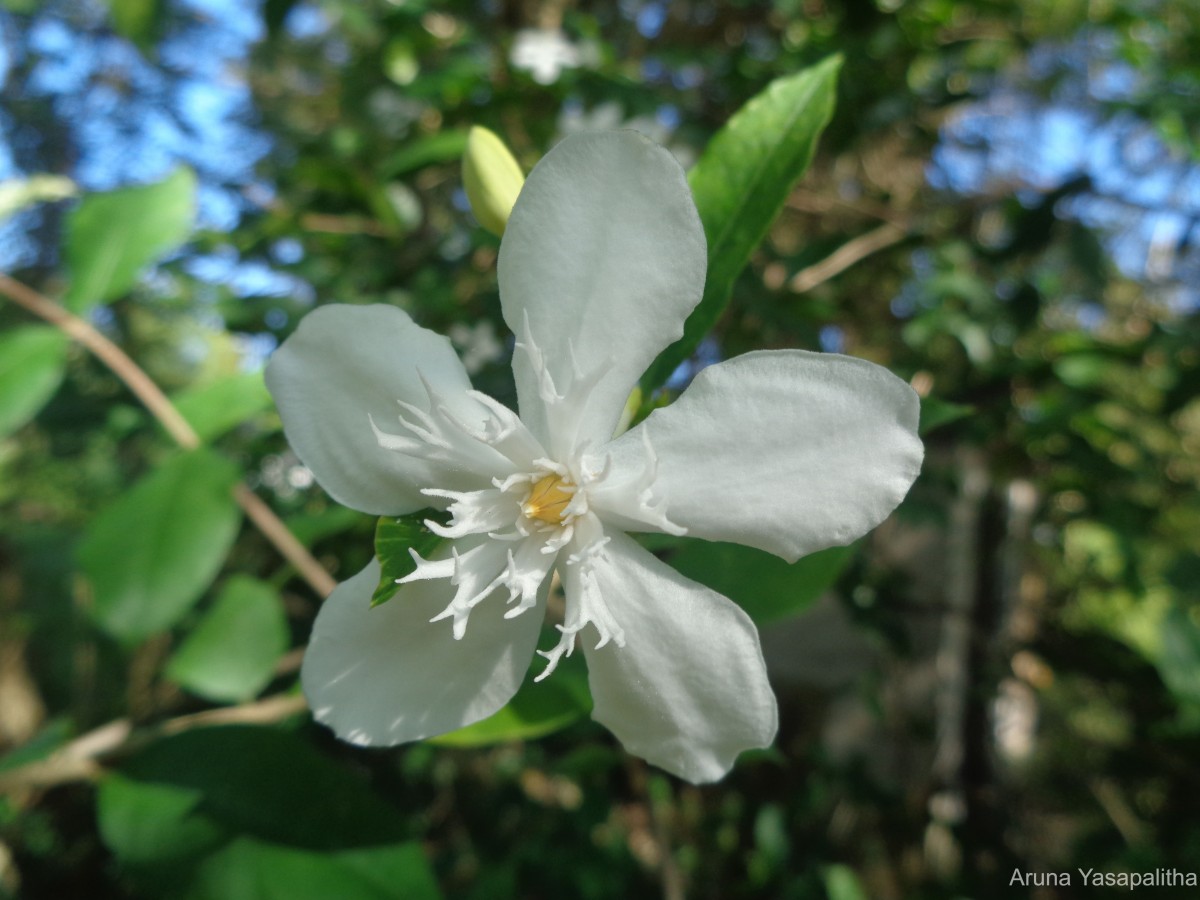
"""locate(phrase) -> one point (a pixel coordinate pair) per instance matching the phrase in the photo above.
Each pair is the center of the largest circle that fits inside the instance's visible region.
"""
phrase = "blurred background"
(1004, 210)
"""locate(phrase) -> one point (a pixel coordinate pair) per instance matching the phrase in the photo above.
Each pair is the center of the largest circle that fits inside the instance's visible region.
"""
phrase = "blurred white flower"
(788, 451)
(545, 52)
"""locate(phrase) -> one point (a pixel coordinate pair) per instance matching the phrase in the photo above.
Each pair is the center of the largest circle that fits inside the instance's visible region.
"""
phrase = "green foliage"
(1179, 661)
(740, 184)
(539, 709)
(935, 413)
(151, 554)
(394, 538)
(134, 19)
(230, 654)
(843, 884)
(270, 785)
(153, 824)
(1069, 382)
(254, 814)
(255, 870)
(112, 237)
(32, 360)
(223, 404)
(765, 586)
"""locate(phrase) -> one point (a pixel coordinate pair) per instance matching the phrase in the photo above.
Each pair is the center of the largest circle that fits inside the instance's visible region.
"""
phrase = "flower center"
(548, 499)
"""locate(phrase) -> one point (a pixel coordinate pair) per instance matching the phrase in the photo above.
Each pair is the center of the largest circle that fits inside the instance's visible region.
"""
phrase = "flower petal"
(688, 691)
(387, 675)
(346, 366)
(605, 255)
(783, 450)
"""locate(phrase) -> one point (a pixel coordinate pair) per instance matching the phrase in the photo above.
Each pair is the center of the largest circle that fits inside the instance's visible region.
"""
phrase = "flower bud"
(492, 178)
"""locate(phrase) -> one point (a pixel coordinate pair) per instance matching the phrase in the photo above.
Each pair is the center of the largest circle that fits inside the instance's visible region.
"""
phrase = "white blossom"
(787, 451)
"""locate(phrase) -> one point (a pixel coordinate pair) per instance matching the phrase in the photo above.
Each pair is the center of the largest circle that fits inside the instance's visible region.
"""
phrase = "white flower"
(545, 52)
(787, 451)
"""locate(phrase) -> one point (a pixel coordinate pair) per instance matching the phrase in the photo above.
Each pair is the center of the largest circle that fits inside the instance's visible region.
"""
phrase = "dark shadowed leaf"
(269, 784)
(538, 709)
(764, 586)
(256, 870)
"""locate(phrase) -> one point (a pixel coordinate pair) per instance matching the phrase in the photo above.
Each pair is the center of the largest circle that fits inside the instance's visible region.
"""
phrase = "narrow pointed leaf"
(740, 184)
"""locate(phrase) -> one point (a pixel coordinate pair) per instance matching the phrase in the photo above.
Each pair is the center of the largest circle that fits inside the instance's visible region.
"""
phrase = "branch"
(152, 397)
(847, 255)
(83, 759)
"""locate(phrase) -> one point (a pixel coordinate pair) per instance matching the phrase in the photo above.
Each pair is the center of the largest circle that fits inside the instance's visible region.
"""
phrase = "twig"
(847, 255)
(670, 875)
(83, 759)
(176, 425)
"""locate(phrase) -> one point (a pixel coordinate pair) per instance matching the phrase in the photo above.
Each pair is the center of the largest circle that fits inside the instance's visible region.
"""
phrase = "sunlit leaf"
(740, 184)
(226, 403)
(841, 883)
(151, 554)
(134, 19)
(231, 654)
(112, 237)
(32, 360)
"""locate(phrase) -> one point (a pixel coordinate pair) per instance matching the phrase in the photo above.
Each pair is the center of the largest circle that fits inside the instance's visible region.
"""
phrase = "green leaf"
(443, 147)
(269, 784)
(935, 413)
(18, 193)
(312, 527)
(111, 237)
(765, 586)
(394, 537)
(231, 654)
(538, 709)
(740, 184)
(1179, 658)
(255, 870)
(50, 739)
(134, 19)
(223, 404)
(32, 361)
(151, 554)
(842, 884)
(153, 823)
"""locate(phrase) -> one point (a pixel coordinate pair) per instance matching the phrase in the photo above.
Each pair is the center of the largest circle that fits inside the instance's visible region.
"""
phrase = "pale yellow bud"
(491, 177)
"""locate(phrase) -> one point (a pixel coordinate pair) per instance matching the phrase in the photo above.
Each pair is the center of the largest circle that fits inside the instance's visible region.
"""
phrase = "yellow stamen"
(548, 499)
